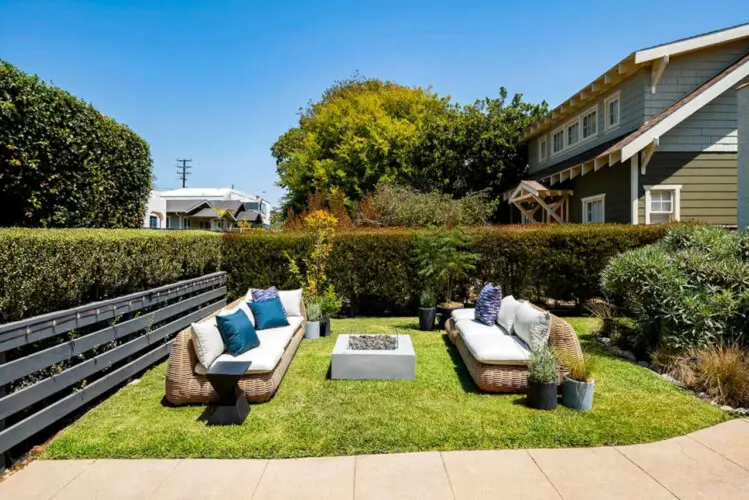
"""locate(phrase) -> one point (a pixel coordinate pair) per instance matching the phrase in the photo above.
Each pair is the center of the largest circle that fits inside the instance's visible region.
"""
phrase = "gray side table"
(232, 406)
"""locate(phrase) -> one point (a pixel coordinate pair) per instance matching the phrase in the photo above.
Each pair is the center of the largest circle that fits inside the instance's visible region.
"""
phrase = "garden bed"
(441, 409)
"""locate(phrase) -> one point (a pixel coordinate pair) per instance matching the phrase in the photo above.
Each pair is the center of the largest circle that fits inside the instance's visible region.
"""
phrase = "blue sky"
(218, 82)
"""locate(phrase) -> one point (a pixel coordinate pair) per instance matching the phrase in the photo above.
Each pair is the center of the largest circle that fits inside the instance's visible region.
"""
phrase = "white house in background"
(193, 208)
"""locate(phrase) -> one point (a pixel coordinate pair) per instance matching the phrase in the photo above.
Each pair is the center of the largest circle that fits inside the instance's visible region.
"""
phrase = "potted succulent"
(443, 257)
(314, 318)
(543, 378)
(578, 385)
(427, 310)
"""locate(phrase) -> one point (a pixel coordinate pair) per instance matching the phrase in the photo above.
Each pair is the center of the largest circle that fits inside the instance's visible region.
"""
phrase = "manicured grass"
(440, 410)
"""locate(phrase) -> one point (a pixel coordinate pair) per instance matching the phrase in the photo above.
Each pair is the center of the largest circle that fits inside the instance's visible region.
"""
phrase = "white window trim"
(676, 188)
(541, 156)
(590, 199)
(615, 96)
(563, 128)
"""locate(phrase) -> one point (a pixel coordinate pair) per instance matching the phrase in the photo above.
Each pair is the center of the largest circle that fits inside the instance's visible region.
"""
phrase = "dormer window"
(557, 143)
(612, 106)
(542, 149)
(573, 133)
(590, 124)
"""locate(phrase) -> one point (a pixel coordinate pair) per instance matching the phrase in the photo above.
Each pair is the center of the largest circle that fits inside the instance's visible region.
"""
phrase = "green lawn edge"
(441, 410)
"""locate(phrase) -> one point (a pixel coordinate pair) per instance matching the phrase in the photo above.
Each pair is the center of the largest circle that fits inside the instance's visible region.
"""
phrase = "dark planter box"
(426, 318)
(542, 396)
(444, 314)
(325, 327)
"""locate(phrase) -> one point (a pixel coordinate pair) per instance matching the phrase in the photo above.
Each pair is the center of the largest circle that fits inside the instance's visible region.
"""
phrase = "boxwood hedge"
(64, 164)
(44, 270)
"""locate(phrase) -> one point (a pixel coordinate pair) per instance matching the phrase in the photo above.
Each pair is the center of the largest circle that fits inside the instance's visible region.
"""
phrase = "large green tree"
(366, 131)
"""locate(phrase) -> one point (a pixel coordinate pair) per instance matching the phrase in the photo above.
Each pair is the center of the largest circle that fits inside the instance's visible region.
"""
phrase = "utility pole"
(184, 170)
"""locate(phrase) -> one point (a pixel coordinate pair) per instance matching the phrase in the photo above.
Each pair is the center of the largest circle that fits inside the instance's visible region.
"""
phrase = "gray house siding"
(631, 116)
(708, 181)
(611, 181)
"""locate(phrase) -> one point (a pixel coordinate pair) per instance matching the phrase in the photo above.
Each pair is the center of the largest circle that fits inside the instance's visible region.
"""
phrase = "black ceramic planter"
(542, 396)
(445, 312)
(325, 327)
(426, 318)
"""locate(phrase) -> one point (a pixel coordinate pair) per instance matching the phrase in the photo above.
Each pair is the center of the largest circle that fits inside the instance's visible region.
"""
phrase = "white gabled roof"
(208, 194)
(657, 56)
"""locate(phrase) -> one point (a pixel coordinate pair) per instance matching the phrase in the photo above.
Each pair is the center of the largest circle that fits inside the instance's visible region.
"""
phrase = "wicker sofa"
(511, 377)
(185, 386)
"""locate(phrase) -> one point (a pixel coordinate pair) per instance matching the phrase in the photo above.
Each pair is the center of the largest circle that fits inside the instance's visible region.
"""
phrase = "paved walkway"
(712, 463)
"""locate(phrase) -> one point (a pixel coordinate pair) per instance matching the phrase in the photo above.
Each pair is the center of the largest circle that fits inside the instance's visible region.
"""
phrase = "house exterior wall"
(611, 181)
(631, 116)
(708, 181)
(156, 206)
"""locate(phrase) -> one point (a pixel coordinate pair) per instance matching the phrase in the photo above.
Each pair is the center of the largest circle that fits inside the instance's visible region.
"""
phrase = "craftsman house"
(653, 139)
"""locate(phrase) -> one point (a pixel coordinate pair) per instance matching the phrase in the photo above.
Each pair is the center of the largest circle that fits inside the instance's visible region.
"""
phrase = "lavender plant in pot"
(543, 378)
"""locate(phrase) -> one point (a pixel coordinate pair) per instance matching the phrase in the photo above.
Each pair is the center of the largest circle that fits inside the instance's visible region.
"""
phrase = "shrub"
(64, 164)
(542, 365)
(374, 272)
(393, 205)
(43, 270)
(689, 290)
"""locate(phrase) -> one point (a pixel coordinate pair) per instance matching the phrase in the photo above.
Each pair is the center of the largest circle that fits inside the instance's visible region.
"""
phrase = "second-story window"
(542, 149)
(573, 133)
(612, 111)
(590, 124)
(557, 141)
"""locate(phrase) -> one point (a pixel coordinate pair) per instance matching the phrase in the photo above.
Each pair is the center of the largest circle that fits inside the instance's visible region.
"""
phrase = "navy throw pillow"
(487, 307)
(237, 332)
(268, 314)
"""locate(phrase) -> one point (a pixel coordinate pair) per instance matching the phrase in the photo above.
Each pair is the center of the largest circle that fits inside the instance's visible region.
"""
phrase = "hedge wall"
(374, 272)
(64, 164)
(43, 270)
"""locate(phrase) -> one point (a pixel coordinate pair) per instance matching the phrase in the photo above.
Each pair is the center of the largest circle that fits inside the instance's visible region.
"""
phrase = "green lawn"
(441, 410)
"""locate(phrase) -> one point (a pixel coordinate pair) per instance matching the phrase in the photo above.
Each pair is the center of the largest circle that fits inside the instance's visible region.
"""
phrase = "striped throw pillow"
(487, 307)
(267, 294)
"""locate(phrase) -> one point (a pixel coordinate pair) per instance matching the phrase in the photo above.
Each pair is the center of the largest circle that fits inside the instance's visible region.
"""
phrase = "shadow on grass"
(466, 381)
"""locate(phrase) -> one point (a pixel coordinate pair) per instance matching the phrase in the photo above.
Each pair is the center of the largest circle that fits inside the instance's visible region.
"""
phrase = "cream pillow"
(531, 325)
(207, 341)
(291, 300)
(507, 312)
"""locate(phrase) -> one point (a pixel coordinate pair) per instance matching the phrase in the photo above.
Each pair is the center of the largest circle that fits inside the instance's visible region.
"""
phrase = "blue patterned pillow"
(488, 304)
(261, 295)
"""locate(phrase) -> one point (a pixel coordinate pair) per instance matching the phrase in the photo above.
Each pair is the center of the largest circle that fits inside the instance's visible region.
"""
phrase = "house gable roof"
(657, 56)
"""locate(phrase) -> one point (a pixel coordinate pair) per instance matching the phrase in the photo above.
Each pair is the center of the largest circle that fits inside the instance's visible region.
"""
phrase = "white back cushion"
(291, 300)
(532, 326)
(207, 341)
(507, 312)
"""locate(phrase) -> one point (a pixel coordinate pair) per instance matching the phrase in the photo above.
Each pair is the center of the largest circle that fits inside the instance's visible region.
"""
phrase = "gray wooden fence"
(127, 335)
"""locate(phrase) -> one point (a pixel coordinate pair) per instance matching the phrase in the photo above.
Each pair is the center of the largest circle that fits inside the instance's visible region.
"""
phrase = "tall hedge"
(64, 164)
(374, 272)
(43, 270)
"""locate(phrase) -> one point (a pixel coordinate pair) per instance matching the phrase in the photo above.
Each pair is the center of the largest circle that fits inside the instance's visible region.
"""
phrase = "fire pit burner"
(373, 342)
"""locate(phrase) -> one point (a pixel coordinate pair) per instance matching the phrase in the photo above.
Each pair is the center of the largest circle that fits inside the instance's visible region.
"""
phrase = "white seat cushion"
(265, 357)
(491, 344)
(459, 314)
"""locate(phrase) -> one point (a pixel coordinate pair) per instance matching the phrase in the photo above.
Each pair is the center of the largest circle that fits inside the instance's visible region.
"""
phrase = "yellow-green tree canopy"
(365, 131)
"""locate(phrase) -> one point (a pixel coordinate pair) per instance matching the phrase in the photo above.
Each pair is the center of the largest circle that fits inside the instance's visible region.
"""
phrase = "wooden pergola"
(532, 198)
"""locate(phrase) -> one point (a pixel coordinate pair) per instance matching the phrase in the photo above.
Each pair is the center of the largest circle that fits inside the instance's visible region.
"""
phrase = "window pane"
(661, 201)
(589, 125)
(573, 133)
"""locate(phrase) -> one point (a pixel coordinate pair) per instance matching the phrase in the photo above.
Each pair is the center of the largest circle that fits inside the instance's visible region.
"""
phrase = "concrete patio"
(712, 463)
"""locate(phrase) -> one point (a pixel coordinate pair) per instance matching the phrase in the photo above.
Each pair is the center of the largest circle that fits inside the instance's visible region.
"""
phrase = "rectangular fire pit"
(364, 357)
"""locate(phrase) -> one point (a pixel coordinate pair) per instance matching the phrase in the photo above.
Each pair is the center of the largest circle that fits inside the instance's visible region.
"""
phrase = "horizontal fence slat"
(26, 428)
(38, 361)
(17, 401)
(48, 325)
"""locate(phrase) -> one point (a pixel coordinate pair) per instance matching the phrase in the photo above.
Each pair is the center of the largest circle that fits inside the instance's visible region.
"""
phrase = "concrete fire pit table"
(370, 357)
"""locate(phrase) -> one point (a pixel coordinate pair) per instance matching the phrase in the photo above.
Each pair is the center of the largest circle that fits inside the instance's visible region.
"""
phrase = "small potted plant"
(330, 305)
(542, 378)
(427, 310)
(314, 318)
(578, 385)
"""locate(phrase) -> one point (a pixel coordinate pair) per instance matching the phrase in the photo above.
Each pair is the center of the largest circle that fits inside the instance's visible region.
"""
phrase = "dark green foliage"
(43, 270)
(64, 164)
(374, 272)
(689, 290)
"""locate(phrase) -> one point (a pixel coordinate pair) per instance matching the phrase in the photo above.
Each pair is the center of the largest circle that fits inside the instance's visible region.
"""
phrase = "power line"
(183, 171)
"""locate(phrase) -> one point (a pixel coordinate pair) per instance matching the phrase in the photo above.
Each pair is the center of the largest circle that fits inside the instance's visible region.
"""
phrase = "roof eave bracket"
(656, 72)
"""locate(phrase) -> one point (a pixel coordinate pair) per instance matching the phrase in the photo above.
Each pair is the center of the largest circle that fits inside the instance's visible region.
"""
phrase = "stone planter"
(542, 396)
(426, 318)
(578, 395)
(312, 330)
